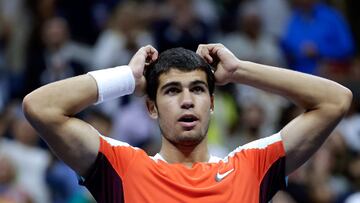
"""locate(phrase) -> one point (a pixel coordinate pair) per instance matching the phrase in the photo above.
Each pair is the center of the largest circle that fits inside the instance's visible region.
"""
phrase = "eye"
(198, 89)
(172, 91)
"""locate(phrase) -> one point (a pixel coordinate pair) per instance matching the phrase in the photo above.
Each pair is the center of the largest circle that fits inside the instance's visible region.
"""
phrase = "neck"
(184, 154)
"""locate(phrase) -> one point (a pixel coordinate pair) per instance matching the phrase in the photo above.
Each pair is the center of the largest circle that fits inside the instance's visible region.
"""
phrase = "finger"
(140, 55)
(215, 49)
(149, 49)
(200, 47)
(151, 53)
(203, 51)
(209, 59)
(145, 50)
(154, 55)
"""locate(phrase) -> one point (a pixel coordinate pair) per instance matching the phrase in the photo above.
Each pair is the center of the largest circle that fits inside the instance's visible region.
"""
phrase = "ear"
(212, 104)
(152, 109)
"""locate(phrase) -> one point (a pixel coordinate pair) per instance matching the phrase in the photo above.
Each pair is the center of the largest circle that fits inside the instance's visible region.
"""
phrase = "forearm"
(61, 99)
(324, 101)
(307, 91)
(51, 109)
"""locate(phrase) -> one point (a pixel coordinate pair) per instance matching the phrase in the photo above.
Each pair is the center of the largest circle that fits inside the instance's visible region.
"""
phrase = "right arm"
(325, 102)
(51, 109)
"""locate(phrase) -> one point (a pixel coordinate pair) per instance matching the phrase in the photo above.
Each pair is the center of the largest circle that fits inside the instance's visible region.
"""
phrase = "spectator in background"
(124, 35)
(63, 183)
(29, 160)
(323, 184)
(60, 57)
(317, 35)
(249, 126)
(180, 27)
(274, 15)
(251, 43)
(349, 128)
(81, 17)
(10, 192)
(206, 11)
(15, 26)
(144, 135)
(101, 11)
(227, 11)
(63, 58)
(354, 175)
(223, 120)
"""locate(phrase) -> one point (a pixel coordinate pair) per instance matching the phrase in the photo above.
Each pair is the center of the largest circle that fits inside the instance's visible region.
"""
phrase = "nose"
(187, 100)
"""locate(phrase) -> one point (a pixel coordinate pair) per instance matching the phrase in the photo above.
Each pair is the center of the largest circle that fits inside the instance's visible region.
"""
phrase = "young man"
(180, 96)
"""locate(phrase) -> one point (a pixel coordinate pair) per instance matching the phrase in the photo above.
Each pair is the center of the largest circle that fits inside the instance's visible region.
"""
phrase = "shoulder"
(115, 148)
(110, 142)
(273, 144)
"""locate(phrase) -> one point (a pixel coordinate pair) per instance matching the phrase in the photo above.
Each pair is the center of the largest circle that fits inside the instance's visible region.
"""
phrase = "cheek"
(166, 108)
(205, 105)
(166, 113)
(166, 123)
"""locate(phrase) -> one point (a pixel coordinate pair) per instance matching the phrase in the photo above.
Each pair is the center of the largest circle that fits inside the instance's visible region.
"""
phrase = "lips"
(188, 121)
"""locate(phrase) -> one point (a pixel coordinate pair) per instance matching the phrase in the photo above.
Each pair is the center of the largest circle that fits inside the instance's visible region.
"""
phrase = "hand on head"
(218, 55)
(222, 59)
(142, 57)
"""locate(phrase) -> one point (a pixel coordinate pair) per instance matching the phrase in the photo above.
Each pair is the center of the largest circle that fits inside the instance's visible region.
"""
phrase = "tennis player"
(179, 86)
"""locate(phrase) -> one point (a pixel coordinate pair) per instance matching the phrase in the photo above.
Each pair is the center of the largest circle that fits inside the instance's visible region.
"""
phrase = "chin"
(189, 138)
(183, 137)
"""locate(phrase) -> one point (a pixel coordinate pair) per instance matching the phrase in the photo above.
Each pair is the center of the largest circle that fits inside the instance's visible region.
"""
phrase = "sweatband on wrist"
(113, 82)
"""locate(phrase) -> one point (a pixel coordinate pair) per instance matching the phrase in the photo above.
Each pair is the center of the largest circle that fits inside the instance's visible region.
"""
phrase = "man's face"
(183, 106)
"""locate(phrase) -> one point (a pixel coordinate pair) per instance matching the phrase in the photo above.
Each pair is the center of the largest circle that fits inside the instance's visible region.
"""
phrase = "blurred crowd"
(42, 41)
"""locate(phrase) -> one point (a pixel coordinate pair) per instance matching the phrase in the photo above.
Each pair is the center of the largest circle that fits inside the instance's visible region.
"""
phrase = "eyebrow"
(198, 82)
(195, 82)
(170, 84)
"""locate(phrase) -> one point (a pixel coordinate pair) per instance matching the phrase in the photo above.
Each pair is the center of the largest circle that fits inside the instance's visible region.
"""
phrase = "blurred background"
(42, 41)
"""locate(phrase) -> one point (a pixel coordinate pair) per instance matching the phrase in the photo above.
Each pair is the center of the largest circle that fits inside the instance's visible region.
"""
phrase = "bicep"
(73, 141)
(305, 134)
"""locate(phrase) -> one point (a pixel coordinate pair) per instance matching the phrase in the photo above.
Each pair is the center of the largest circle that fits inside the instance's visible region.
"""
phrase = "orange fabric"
(146, 179)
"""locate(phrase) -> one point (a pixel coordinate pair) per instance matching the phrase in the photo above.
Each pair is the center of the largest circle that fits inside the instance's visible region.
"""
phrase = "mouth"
(188, 121)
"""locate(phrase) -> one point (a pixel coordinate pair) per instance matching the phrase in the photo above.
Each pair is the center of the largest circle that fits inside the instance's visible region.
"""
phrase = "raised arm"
(51, 109)
(325, 102)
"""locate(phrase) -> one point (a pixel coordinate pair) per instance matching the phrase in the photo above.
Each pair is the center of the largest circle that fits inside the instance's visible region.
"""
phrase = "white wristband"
(113, 82)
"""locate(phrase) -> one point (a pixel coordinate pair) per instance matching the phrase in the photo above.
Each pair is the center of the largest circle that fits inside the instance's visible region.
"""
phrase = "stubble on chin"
(186, 139)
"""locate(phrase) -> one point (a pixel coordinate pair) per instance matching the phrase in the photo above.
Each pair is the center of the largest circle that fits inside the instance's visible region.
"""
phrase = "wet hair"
(180, 59)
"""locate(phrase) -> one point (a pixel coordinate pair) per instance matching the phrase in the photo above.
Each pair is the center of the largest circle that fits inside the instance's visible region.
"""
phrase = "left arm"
(325, 102)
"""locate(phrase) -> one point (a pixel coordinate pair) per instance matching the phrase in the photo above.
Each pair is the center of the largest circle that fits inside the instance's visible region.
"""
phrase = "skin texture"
(325, 102)
(182, 94)
(51, 108)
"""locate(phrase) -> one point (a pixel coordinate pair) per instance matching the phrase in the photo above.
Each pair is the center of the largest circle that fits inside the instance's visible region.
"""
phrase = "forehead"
(183, 77)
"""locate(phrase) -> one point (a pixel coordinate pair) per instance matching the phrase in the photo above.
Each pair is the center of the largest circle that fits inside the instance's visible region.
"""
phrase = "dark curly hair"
(178, 58)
